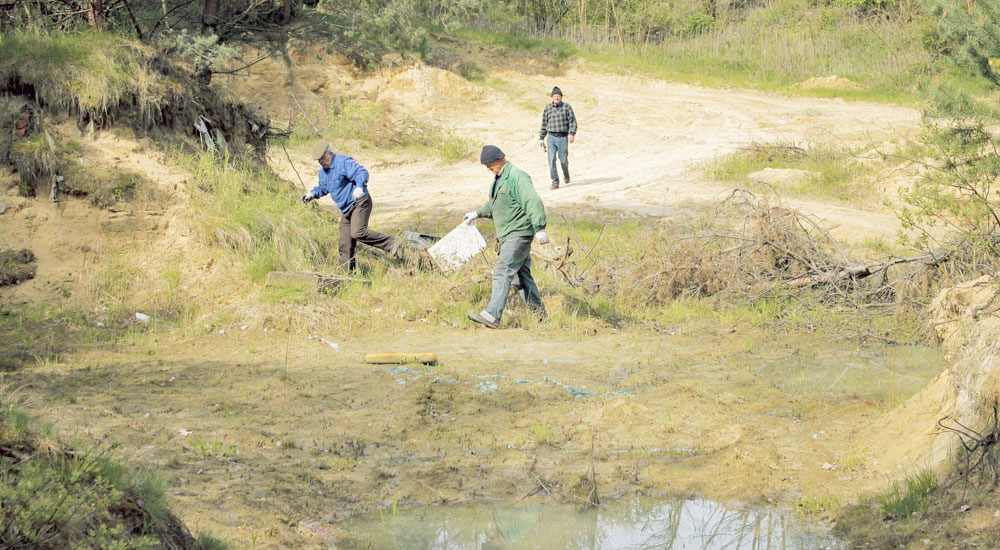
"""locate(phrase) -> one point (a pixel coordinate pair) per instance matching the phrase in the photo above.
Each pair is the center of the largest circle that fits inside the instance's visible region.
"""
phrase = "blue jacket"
(340, 180)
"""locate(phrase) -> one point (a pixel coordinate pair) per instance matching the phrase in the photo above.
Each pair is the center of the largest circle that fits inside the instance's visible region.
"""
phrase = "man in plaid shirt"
(559, 122)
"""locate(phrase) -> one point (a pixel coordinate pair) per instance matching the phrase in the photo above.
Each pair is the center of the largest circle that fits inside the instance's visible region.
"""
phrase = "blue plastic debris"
(488, 382)
(487, 387)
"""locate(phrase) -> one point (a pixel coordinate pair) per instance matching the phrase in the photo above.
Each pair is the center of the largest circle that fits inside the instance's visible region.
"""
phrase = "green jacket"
(514, 205)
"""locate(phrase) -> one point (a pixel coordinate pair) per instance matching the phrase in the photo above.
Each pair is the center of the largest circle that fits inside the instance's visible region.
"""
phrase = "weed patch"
(373, 125)
(907, 497)
(60, 498)
(17, 266)
(252, 214)
(824, 171)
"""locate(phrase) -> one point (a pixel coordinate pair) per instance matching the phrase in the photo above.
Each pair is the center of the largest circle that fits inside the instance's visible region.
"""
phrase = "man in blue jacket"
(346, 182)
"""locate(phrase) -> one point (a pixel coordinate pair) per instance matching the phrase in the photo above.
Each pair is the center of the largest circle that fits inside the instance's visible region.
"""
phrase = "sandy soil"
(639, 148)
(270, 438)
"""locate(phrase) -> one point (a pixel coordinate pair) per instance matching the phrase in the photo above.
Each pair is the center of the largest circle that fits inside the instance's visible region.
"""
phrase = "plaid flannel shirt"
(558, 118)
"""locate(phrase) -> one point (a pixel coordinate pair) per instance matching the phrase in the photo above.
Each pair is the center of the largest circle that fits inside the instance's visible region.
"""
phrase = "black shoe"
(567, 181)
(482, 320)
(555, 185)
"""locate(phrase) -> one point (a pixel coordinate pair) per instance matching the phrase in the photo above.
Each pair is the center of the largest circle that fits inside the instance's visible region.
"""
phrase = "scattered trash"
(243, 327)
(184, 433)
(420, 241)
(575, 392)
(487, 386)
(100, 324)
(815, 436)
(335, 346)
(828, 466)
(965, 508)
(426, 358)
(457, 247)
(489, 382)
(142, 317)
(222, 332)
(545, 361)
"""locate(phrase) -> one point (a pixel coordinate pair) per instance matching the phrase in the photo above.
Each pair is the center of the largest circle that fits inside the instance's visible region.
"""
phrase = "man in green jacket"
(519, 216)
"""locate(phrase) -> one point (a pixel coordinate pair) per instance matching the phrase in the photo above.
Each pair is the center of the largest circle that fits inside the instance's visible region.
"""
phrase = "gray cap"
(319, 149)
(490, 153)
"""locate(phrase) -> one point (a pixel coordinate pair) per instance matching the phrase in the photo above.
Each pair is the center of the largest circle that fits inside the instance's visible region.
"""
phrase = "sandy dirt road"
(640, 145)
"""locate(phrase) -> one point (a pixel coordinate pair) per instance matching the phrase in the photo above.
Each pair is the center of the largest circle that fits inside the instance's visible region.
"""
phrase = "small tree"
(962, 187)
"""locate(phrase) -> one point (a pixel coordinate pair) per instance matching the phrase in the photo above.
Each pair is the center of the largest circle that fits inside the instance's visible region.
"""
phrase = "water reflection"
(633, 523)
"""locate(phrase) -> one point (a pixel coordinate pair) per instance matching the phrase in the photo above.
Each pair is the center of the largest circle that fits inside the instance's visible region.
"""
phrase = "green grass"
(357, 123)
(771, 47)
(811, 507)
(56, 497)
(830, 172)
(901, 499)
(254, 215)
(97, 72)
(786, 42)
(554, 50)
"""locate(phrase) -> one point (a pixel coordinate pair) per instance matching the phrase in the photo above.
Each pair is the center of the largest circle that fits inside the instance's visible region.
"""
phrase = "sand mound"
(829, 83)
(423, 88)
(969, 332)
(780, 177)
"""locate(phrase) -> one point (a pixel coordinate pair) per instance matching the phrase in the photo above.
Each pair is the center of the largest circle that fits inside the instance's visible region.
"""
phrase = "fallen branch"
(860, 271)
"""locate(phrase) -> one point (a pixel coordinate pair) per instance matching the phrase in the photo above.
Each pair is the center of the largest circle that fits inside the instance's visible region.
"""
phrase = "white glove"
(307, 197)
(467, 219)
(541, 143)
(542, 237)
(358, 193)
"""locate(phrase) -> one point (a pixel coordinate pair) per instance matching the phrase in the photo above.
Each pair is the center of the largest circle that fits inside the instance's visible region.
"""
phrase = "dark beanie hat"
(490, 153)
(556, 90)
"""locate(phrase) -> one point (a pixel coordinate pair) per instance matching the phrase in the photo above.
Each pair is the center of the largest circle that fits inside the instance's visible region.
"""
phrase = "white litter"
(183, 432)
(142, 317)
(457, 247)
(335, 346)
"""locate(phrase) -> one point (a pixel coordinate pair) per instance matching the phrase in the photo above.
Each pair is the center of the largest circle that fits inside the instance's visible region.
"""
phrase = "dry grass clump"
(95, 74)
(17, 266)
(746, 248)
(102, 78)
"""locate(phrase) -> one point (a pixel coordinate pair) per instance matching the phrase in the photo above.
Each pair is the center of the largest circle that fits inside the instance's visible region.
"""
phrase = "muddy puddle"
(636, 523)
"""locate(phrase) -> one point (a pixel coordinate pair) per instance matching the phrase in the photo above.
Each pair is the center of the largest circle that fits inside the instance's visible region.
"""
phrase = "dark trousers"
(354, 229)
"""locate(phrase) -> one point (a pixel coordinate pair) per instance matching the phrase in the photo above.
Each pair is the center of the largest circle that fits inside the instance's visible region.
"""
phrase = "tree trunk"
(95, 15)
(210, 17)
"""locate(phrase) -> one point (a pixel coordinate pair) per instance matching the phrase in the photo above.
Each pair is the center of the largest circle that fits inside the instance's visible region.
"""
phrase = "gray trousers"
(354, 229)
(514, 261)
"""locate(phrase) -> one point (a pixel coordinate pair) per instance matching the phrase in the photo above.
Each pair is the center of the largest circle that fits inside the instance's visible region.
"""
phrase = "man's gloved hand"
(307, 197)
(541, 143)
(358, 193)
(467, 219)
(542, 237)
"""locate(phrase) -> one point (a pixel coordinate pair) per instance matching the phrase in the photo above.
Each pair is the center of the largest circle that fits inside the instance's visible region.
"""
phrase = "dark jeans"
(514, 260)
(558, 145)
(354, 229)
